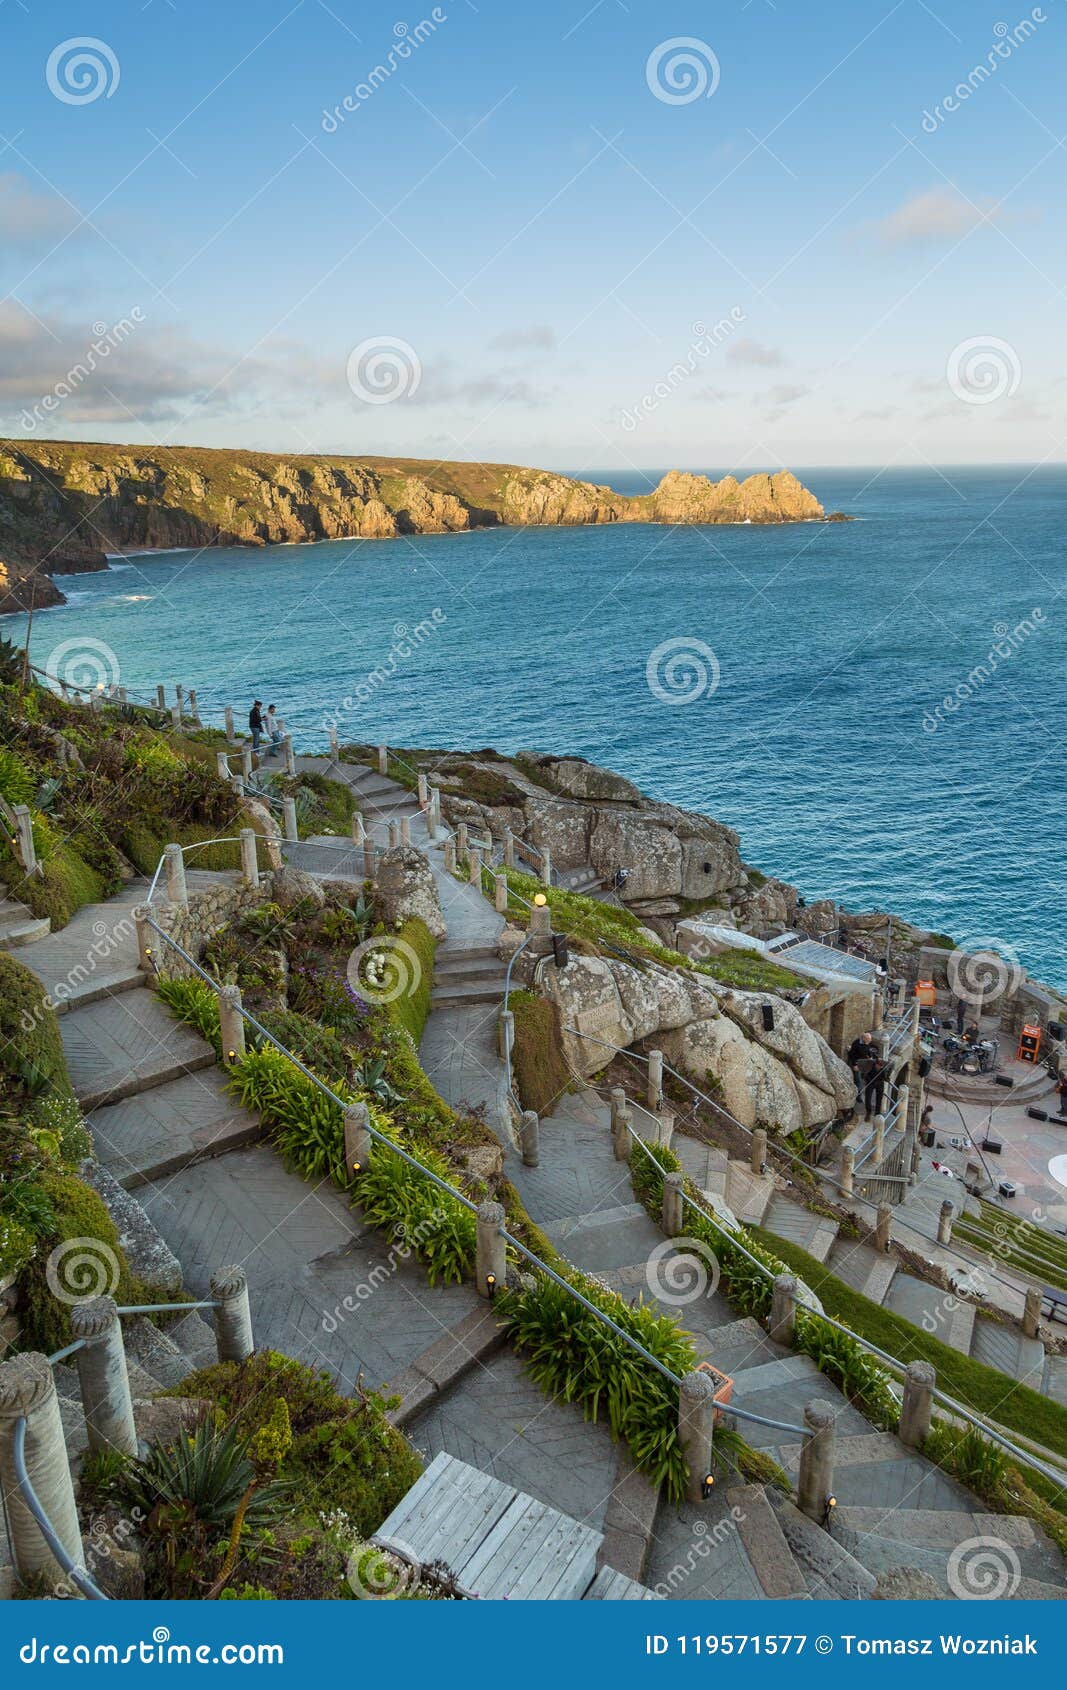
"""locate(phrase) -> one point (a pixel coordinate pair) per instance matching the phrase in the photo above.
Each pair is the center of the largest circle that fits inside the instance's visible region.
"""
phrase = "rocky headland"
(64, 506)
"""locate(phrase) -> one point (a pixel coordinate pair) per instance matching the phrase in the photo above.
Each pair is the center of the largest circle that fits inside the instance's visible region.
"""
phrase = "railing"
(78, 1575)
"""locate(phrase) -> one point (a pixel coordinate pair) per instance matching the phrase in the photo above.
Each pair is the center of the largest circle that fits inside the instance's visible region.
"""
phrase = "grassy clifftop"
(64, 505)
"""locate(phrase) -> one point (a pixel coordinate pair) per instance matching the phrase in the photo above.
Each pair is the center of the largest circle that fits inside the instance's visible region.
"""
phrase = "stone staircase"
(18, 924)
(153, 1097)
(763, 1546)
(462, 978)
(875, 1275)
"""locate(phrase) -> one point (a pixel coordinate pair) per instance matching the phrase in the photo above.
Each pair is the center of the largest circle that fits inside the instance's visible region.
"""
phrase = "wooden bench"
(1057, 1302)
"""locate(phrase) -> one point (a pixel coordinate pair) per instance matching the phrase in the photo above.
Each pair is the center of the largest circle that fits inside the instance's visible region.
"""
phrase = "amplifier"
(1038, 1114)
(1003, 1079)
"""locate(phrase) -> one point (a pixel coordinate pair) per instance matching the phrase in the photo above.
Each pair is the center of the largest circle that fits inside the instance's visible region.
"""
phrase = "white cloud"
(753, 352)
(940, 214)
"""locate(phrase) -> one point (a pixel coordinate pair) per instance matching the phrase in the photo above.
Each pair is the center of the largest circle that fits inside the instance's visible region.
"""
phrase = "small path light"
(705, 1489)
(490, 1284)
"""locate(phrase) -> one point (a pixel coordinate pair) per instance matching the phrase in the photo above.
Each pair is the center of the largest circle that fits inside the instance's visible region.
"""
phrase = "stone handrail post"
(289, 818)
(422, 790)
(227, 716)
(176, 717)
(500, 893)
(696, 1428)
(161, 697)
(916, 1410)
(28, 1392)
(179, 695)
(655, 1079)
(507, 1034)
(24, 837)
(624, 1135)
(491, 1266)
(222, 765)
(193, 710)
(815, 1483)
(529, 1138)
(394, 835)
(249, 858)
(758, 1154)
(145, 957)
(174, 868)
(233, 1315)
(105, 1382)
(246, 762)
(383, 759)
(405, 830)
(672, 1217)
(848, 1170)
(231, 1025)
(509, 848)
(288, 754)
(238, 785)
(359, 832)
(357, 1137)
(882, 1234)
(1032, 1311)
(783, 1317)
(944, 1222)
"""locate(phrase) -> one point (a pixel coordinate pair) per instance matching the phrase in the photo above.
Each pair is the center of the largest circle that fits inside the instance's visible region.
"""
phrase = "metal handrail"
(77, 1574)
(1056, 1476)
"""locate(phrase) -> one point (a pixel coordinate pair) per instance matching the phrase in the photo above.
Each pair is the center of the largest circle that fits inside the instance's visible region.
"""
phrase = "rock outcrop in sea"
(64, 506)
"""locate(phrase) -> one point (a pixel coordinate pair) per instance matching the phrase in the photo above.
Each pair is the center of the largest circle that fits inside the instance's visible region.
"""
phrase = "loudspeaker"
(1038, 1114)
(768, 1018)
(1003, 1080)
(928, 1137)
(1056, 1030)
(992, 1146)
(560, 952)
(925, 1064)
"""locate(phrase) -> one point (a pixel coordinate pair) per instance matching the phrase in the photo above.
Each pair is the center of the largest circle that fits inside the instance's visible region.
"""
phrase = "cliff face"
(64, 506)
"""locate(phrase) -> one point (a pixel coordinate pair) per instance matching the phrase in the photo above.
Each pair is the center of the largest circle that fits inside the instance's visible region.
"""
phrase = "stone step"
(812, 1233)
(447, 954)
(768, 1375)
(463, 996)
(444, 1363)
(195, 1337)
(830, 1571)
(469, 970)
(941, 1313)
(766, 1545)
(868, 1271)
(1006, 1349)
(170, 1127)
(155, 1351)
(103, 985)
(879, 1534)
(122, 1046)
(741, 1344)
(749, 1195)
(23, 929)
(1054, 1380)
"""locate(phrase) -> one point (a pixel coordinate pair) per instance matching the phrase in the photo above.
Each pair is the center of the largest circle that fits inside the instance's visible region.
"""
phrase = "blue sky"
(525, 243)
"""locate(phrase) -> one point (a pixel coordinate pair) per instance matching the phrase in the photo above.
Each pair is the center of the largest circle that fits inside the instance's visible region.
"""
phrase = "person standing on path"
(275, 727)
(874, 1083)
(255, 722)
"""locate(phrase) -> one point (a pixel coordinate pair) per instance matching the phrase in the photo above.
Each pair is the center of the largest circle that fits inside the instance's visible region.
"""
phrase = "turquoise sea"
(818, 655)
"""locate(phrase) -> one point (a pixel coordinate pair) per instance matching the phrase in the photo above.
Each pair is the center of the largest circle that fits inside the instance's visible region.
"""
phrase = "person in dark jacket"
(859, 1051)
(1063, 1092)
(255, 722)
(874, 1084)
